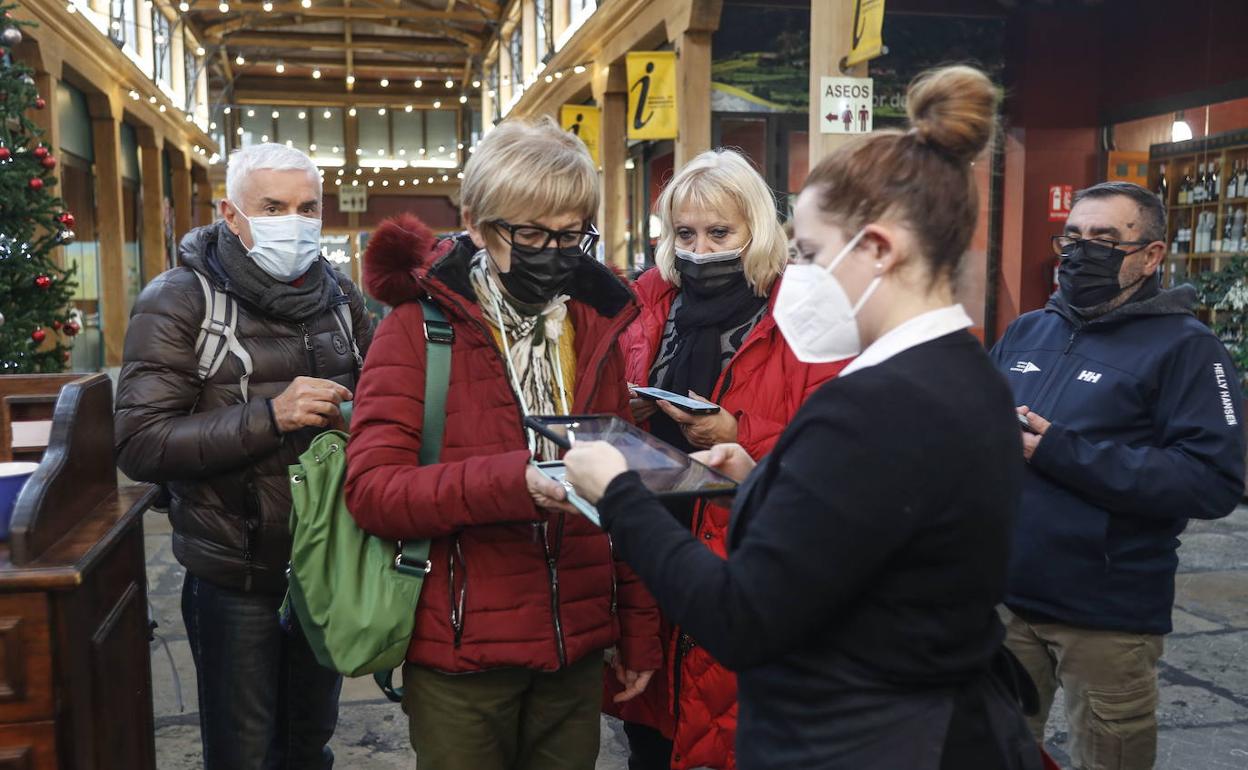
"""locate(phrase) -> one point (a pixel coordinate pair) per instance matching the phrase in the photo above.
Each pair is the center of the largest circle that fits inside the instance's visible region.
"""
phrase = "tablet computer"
(665, 470)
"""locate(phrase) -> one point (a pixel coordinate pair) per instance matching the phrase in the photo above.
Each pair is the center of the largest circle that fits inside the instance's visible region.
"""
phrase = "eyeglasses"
(1062, 244)
(528, 240)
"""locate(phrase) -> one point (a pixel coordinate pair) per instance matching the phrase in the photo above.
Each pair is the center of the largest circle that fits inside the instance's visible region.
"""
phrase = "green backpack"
(355, 594)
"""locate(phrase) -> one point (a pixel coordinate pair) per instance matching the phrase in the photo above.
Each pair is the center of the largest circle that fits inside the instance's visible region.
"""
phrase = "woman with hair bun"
(868, 550)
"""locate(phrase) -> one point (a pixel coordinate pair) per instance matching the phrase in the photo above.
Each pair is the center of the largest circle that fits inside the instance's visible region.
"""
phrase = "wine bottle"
(1185, 187)
(1163, 187)
(1232, 182)
(1215, 187)
(1243, 179)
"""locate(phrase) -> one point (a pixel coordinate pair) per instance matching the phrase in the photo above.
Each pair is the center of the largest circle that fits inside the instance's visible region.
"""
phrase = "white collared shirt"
(922, 328)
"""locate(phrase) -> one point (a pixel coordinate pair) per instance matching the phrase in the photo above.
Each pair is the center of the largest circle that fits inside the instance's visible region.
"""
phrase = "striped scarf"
(532, 346)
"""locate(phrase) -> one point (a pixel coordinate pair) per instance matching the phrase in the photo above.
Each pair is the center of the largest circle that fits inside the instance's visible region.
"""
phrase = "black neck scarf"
(287, 302)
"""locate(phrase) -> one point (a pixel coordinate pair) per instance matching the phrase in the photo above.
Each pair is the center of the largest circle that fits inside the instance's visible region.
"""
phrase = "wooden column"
(106, 109)
(180, 170)
(693, 95)
(205, 211)
(611, 94)
(155, 261)
(831, 34)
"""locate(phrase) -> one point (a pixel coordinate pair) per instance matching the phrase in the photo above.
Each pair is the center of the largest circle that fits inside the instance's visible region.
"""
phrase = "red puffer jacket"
(511, 585)
(762, 386)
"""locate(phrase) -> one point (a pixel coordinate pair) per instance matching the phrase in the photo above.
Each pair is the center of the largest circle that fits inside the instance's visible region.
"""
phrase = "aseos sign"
(847, 105)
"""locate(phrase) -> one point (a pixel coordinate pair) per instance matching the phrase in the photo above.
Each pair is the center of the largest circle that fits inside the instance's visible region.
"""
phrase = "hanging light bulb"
(251, 113)
(306, 3)
(385, 83)
(418, 82)
(350, 80)
(550, 78)
(381, 111)
(463, 99)
(184, 7)
(224, 8)
(578, 69)
(1181, 131)
(268, 7)
(437, 105)
(558, 74)
(476, 84)
(303, 115)
(239, 131)
(281, 68)
(151, 99)
(316, 74)
(199, 51)
(351, 112)
(239, 60)
(327, 114)
(450, 83)
(275, 114)
(227, 110)
(312, 148)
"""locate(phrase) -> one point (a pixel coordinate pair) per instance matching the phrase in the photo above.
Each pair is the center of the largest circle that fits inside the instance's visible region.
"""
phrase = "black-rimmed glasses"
(531, 239)
(1062, 244)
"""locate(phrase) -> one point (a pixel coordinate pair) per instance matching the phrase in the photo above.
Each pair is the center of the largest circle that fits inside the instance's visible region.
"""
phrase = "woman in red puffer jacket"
(706, 329)
(504, 670)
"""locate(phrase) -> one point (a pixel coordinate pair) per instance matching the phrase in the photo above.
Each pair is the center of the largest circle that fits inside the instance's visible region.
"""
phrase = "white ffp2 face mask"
(815, 315)
(284, 247)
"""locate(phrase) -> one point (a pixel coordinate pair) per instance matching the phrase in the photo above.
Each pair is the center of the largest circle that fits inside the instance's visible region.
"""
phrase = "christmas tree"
(36, 323)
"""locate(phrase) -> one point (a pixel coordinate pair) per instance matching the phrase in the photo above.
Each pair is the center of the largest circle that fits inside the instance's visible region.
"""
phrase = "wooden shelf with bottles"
(1197, 230)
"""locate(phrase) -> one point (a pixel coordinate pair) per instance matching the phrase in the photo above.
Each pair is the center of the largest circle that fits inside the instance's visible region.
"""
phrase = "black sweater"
(868, 552)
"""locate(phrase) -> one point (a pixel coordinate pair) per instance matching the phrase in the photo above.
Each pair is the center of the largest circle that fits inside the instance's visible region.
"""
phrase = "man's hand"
(729, 459)
(634, 682)
(703, 430)
(592, 466)
(546, 492)
(309, 402)
(1032, 440)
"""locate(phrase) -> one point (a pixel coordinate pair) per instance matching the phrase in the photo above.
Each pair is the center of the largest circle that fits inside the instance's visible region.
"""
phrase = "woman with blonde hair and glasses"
(504, 670)
(706, 331)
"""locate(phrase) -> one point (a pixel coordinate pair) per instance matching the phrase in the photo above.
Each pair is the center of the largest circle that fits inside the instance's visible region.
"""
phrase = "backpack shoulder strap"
(342, 313)
(438, 338)
(216, 334)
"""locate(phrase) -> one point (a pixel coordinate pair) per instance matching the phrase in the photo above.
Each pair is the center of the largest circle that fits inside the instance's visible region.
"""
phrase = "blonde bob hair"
(724, 182)
(524, 169)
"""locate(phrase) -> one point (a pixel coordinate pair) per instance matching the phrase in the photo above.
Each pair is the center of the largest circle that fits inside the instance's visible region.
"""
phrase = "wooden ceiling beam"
(296, 92)
(367, 69)
(358, 43)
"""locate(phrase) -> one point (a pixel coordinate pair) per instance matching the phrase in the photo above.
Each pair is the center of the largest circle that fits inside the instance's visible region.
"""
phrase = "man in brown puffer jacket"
(221, 443)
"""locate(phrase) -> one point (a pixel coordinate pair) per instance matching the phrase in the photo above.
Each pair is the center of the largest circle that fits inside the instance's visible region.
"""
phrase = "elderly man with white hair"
(234, 361)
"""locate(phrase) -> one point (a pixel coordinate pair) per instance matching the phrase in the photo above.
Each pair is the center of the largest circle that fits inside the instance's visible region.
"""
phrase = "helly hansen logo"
(1088, 376)
(1025, 367)
(1224, 393)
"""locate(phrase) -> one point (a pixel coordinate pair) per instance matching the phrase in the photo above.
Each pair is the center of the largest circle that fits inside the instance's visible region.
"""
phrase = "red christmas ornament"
(40, 152)
(38, 335)
(57, 325)
(36, 184)
(72, 328)
(43, 282)
(49, 162)
(5, 154)
(40, 103)
(67, 219)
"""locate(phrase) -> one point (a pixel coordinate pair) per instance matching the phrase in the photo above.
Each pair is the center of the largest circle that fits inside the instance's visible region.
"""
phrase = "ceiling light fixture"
(437, 105)
(350, 80)
(224, 8)
(351, 112)
(476, 84)
(450, 83)
(316, 74)
(418, 82)
(463, 99)
(385, 83)
(281, 68)
(239, 60)
(1181, 130)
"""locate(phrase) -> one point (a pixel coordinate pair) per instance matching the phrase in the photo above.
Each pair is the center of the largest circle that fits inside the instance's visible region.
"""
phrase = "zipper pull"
(307, 338)
(1070, 343)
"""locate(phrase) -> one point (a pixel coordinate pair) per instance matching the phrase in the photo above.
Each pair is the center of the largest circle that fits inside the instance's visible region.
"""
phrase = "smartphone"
(683, 403)
(1025, 425)
(555, 470)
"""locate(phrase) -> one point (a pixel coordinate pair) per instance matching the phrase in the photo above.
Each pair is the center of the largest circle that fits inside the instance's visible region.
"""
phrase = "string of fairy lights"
(156, 95)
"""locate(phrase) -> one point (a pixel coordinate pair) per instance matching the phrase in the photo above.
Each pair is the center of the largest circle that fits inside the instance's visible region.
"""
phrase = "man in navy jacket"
(1133, 427)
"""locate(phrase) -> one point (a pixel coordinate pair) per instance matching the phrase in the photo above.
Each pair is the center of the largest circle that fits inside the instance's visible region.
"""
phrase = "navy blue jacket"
(1146, 434)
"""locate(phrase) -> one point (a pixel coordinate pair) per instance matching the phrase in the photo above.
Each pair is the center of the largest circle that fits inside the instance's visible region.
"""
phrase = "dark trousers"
(264, 701)
(647, 748)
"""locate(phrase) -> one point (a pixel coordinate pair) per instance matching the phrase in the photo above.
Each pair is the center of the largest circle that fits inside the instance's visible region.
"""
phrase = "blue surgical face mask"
(284, 247)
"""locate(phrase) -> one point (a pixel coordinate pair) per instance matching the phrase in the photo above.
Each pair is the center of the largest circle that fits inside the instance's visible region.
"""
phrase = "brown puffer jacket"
(222, 459)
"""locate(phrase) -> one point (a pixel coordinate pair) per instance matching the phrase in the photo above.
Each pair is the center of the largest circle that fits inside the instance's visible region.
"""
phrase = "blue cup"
(13, 477)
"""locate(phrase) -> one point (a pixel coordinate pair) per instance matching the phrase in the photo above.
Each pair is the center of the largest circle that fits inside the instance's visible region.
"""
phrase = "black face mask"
(710, 277)
(1088, 274)
(538, 277)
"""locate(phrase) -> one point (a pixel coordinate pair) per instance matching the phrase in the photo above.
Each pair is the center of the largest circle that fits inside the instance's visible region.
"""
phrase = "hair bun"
(953, 110)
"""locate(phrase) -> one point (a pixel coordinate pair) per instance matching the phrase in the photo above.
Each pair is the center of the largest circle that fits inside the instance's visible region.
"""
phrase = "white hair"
(271, 156)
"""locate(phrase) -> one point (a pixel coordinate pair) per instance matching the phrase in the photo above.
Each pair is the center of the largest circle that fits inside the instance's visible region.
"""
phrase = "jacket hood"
(1148, 301)
(198, 251)
(405, 261)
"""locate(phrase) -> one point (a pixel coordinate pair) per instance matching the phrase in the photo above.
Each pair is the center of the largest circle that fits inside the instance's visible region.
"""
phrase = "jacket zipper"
(307, 347)
(552, 569)
(457, 603)
(614, 581)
